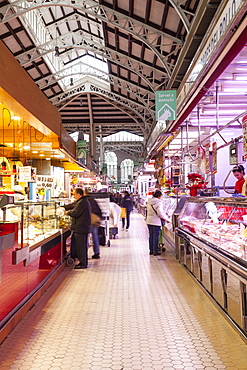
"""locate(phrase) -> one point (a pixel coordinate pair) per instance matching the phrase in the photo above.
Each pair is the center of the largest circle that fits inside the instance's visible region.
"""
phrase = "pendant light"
(4, 164)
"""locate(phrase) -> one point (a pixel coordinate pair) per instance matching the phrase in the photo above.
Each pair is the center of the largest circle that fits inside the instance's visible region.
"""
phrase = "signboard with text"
(214, 158)
(43, 181)
(24, 174)
(166, 105)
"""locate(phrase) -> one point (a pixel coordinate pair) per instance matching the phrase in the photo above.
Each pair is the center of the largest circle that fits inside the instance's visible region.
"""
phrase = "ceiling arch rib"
(83, 69)
(181, 13)
(149, 35)
(146, 117)
(104, 128)
(132, 148)
(75, 40)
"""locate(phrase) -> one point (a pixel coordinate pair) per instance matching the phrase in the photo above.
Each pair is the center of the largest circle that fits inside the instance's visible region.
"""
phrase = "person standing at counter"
(154, 215)
(80, 212)
(238, 172)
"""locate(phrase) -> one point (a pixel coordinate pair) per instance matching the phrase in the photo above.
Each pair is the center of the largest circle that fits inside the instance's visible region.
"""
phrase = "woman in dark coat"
(80, 212)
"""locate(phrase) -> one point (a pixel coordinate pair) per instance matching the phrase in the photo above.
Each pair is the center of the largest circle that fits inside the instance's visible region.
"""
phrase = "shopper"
(115, 211)
(80, 212)
(127, 203)
(94, 230)
(154, 215)
(118, 198)
(238, 172)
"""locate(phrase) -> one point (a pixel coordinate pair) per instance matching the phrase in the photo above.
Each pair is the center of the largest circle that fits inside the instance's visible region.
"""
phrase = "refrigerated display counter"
(172, 206)
(32, 249)
(212, 244)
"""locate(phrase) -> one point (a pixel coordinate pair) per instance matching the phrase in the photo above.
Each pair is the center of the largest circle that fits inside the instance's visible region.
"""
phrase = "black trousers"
(127, 220)
(79, 247)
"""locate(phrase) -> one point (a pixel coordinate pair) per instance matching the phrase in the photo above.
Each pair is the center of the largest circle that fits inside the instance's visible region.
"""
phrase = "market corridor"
(128, 310)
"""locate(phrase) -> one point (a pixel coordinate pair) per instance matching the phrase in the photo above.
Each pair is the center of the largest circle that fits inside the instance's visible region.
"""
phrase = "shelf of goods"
(212, 244)
(32, 247)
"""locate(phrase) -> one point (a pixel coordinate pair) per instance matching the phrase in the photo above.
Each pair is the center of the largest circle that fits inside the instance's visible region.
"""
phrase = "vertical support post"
(101, 151)
(92, 139)
(217, 103)
(183, 158)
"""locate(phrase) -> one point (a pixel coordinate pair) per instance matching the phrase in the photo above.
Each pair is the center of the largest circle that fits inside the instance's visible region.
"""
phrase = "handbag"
(123, 213)
(95, 220)
(163, 222)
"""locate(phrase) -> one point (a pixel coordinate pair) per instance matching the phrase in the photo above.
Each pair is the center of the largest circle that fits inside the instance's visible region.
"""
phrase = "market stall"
(212, 237)
(32, 245)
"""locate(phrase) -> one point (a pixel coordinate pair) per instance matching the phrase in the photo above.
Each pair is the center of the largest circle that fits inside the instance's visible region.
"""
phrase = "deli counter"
(32, 249)
(212, 244)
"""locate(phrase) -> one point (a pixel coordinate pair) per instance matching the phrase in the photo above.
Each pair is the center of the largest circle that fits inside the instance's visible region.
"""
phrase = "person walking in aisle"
(115, 211)
(94, 230)
(80, 212)
(154, 215)
(127, 203)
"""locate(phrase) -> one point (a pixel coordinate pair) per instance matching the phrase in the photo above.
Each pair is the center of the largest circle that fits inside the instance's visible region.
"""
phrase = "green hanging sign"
(166, 105)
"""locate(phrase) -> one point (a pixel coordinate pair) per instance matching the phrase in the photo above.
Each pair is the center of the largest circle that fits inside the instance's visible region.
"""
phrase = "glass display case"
(212, 244)
(33, 246)
(220, 222)
(172, 206)
(37, 220)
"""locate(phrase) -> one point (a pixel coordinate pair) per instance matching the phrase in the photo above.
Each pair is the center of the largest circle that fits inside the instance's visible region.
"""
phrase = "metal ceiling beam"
(74, 40)
(155, 39)
(141, 116)
(117, 82)
(89, 87)
(181, 13)
(201, 9)
(83, 69)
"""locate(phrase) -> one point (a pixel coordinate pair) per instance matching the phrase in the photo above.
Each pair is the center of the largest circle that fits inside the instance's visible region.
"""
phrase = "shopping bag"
(95, 220)
(123, 213)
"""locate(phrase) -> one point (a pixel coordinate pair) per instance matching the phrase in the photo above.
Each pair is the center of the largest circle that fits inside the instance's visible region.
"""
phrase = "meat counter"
(172, 206)
(212, 244)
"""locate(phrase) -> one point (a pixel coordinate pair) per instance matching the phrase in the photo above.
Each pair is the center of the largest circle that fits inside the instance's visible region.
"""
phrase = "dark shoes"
(79, 267)
(157, 254)
(96, 256)
(151, 253)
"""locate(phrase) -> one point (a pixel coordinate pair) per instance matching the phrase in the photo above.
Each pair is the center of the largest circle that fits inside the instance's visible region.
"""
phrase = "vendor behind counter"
(239, 172)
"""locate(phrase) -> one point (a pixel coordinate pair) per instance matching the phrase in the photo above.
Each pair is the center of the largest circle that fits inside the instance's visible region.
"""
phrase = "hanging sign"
(166, 105)
(24, 174)
(214, 158)
(81, 149)
(207, 158)
(46, 182)
(199, 159)
(244, 128)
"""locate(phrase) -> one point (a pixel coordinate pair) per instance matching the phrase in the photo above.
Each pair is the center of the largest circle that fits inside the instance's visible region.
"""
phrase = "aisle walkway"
(127, 311)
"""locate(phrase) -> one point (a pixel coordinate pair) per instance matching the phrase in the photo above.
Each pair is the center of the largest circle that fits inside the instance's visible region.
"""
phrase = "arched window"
(127, 171)
(111, 162)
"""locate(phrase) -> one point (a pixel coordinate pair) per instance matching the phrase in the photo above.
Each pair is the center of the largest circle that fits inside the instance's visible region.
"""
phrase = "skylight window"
(123, 136)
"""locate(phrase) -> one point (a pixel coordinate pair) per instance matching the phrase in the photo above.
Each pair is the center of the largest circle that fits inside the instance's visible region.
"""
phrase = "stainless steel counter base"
(222, 276)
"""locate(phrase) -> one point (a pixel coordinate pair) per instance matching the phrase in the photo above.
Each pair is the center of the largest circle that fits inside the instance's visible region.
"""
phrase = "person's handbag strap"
(154, 209)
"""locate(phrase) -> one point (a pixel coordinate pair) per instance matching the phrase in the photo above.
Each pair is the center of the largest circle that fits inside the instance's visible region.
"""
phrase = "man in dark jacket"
(128, 204)
(80, 212)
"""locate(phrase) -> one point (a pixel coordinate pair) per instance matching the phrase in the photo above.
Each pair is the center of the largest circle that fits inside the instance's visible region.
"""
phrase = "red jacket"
(238, 185)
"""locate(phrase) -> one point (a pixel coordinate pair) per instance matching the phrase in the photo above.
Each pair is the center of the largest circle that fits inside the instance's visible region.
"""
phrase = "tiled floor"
(128, 310)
